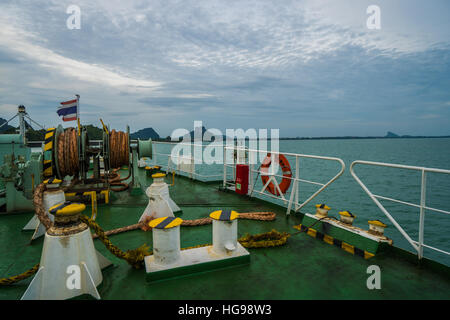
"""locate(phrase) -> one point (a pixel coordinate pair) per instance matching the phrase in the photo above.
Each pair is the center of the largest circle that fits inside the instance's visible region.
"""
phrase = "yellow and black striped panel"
(48, 170)
(338, 243)
(52, 180)
(48, 148)
(165, 222)
(49, 136)
(67, 208)
(224, 215)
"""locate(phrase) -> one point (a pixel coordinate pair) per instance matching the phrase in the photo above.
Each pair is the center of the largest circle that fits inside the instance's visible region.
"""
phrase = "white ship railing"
(292, 202)
(167, 163)
(417, 245)
(294, 194)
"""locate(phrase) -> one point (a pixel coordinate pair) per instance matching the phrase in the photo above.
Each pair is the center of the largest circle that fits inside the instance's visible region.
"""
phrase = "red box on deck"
(242, 178)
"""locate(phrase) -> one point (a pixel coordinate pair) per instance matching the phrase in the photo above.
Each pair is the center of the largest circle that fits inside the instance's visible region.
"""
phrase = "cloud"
(167, 63)
(15, 40)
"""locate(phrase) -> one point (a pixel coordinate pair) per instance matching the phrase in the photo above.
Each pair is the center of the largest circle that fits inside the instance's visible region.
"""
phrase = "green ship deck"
(304, 268)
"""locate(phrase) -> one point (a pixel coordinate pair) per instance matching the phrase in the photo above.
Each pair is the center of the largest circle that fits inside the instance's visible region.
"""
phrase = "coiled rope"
(115, 180)
(119, 149)
(264, 240)
(68, 153)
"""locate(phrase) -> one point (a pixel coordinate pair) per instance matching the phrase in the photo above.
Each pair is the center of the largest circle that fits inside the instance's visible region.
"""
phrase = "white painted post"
(297, 176)
(250, 163)
(294, 193)
(192, 160)
(224, 167)
(169, 158)
(224, 236)
(422, 213)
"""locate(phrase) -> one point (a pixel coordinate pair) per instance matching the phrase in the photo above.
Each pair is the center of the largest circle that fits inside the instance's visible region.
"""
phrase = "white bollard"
(159, 204)
(225, 250)
(70, 266)
(224, 231)
(166, 240)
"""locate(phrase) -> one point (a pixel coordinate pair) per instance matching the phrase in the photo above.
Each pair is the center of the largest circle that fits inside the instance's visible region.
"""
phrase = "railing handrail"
(400, 166)
(417, 245)
(288, 154)
(296, 179)
(193, 173)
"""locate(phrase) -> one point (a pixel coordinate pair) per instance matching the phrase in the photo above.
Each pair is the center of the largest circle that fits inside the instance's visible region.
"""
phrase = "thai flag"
(69, 110)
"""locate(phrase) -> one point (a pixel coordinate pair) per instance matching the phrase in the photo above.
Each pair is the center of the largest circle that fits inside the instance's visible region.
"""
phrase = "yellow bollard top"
(67, 208)
(224, 215)
(165, 222)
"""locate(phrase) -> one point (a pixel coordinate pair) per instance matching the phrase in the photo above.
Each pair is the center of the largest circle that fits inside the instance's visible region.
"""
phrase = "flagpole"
(78, 114)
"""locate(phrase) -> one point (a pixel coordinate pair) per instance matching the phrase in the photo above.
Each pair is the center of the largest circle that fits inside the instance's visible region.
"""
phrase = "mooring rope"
(19, 277)
(134, 257)
(122, 229)
(119, 149)
(68, 153)
(262, 216)
(115, 180)
(38, 202)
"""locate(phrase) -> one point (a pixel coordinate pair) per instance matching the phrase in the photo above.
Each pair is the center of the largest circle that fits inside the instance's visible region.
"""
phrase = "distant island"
(96, 133)
(146, 133)
(389, 135)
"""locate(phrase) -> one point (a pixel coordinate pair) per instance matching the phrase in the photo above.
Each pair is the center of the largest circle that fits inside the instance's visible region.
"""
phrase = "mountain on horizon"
(146, 133)
(5, 127)
(391, 135)
(8, 127)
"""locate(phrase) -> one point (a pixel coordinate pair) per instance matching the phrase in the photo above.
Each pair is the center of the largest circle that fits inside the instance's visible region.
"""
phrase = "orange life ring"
(285, 167)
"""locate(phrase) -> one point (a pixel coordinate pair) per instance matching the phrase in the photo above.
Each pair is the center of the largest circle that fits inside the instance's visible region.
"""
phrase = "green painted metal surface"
(196, 269)
(305, 268)
(145, 148)
(13, 144)
(20, 171)
(11, 138)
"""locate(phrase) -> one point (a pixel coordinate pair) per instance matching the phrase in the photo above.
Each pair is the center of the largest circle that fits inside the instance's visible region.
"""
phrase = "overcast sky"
(309, 68)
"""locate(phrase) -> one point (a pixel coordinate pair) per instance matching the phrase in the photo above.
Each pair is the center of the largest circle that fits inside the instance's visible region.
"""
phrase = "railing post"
(250, 163)
(382, 208)
(155, 153)
(294, 194)
(297, 176)
(224, 167)
(192, 160)
(422, 213)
